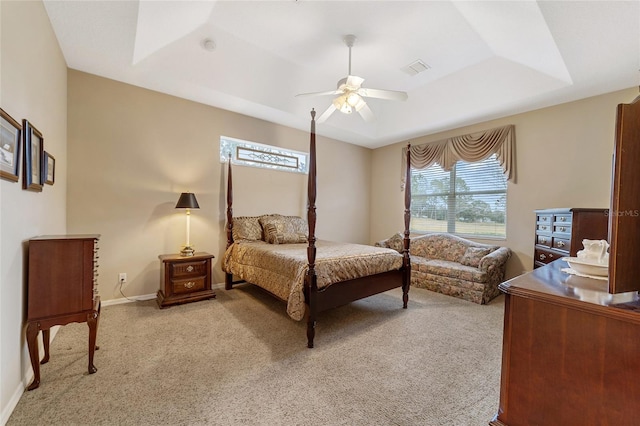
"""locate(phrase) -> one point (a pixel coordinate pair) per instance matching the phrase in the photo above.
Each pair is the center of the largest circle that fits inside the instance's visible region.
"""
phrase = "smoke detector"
(208, 44)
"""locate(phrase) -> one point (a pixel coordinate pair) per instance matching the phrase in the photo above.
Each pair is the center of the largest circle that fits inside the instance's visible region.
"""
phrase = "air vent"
(416, 67)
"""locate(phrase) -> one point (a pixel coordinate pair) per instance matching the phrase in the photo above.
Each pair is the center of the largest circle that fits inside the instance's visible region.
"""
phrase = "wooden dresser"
(62, 281)
(570, 345)
(559, 232)
(570, 351)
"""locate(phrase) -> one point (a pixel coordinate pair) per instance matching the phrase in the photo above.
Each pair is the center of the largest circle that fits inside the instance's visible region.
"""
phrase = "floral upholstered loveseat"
(454, 266)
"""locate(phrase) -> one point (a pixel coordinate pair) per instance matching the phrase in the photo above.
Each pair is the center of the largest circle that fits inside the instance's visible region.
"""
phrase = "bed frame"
(340, 293)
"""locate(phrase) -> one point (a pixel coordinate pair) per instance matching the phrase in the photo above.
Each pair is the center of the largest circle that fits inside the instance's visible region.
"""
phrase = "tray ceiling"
(486, 59)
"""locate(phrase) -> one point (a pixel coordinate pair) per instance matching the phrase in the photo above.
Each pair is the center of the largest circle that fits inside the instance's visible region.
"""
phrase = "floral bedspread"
(281, 268)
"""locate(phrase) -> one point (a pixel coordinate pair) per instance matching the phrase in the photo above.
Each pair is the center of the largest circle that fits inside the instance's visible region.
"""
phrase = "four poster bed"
(280, 254)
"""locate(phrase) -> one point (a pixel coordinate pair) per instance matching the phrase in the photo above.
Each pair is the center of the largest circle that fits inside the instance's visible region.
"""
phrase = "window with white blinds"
(468, 200)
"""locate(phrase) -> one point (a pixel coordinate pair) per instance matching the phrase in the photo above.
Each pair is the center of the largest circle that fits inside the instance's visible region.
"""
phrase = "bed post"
(406, 261)
(310, 282)
(228, 278)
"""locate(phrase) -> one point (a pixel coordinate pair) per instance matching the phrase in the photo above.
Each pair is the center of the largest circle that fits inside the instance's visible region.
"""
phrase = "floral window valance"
(472, 147)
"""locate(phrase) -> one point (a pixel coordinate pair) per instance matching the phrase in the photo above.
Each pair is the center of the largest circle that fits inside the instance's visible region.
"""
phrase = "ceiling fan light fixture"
(353, 99)
(342, 105)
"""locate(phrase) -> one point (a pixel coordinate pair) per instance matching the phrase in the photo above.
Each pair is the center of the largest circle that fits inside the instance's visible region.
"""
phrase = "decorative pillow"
(274, 233)
(295, 225)
(271, 230)
(246, 228)
(396, 242)
(270, 216)
(473, 255)
(288, 238)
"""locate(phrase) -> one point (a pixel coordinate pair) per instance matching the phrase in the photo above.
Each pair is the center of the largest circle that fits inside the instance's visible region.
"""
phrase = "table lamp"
(187, 201)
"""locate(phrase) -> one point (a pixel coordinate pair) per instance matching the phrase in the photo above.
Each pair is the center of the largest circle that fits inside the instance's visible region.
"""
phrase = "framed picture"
(33, 155)
(10, 140)
(49, 171)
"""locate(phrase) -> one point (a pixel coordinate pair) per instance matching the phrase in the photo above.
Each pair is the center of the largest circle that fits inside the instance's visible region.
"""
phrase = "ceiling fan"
(351, 93)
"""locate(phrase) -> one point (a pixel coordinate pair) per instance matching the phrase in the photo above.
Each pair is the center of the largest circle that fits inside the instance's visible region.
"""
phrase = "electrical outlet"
(122, 277)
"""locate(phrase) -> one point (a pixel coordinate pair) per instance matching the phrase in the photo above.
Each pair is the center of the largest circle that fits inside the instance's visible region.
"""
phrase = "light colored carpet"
(240, 360)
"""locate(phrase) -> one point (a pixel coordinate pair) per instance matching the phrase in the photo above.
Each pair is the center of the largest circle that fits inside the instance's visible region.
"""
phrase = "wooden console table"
(61, 289)
(570, 351)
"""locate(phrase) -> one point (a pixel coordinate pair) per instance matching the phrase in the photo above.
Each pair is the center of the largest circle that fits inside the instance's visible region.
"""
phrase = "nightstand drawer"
(189, 269)
(188, 285)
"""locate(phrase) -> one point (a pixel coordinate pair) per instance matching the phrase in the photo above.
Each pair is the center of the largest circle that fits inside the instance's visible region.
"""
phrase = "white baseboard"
(131, 299)
(143, 297)
(15, 398)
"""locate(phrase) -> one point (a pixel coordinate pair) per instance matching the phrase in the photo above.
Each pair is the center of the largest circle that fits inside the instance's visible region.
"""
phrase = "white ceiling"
(487, 59)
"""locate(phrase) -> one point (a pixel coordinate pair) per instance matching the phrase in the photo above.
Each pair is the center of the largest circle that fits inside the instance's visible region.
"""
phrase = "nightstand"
(185, 279)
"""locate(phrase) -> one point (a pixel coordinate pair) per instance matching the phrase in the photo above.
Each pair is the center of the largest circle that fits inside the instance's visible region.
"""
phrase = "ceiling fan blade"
(366, 113)
(383, 94)
(326, 114)
(329, 92)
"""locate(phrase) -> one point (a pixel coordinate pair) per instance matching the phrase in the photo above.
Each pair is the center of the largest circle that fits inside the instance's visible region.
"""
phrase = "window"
(471, 199)
(255, 154)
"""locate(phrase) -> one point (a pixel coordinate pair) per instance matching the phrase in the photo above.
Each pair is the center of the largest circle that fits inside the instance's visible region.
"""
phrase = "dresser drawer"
(188, 269)
(562, 219)
(542, 218)
(545, 228)
(562, 228)
(545, 256)
(188, 285)
(543, 240)
(561, 244)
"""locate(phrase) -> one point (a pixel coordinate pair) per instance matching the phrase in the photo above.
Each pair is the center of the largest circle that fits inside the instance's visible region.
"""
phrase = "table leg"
(92, 321)
(45, 342)
(32, 342)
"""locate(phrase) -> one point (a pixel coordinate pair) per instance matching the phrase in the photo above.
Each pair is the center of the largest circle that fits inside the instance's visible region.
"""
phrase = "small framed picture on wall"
(49, 171)
(33, 156)
(10, 140)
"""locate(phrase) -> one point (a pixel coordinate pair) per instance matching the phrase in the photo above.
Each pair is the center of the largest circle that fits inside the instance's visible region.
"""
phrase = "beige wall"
(132, 151)
(33, 85)
(563, 156)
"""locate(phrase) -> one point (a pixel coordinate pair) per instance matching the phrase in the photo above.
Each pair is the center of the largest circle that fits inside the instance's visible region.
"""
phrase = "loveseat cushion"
(439, 246)
(473, 255)
(449, 269)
